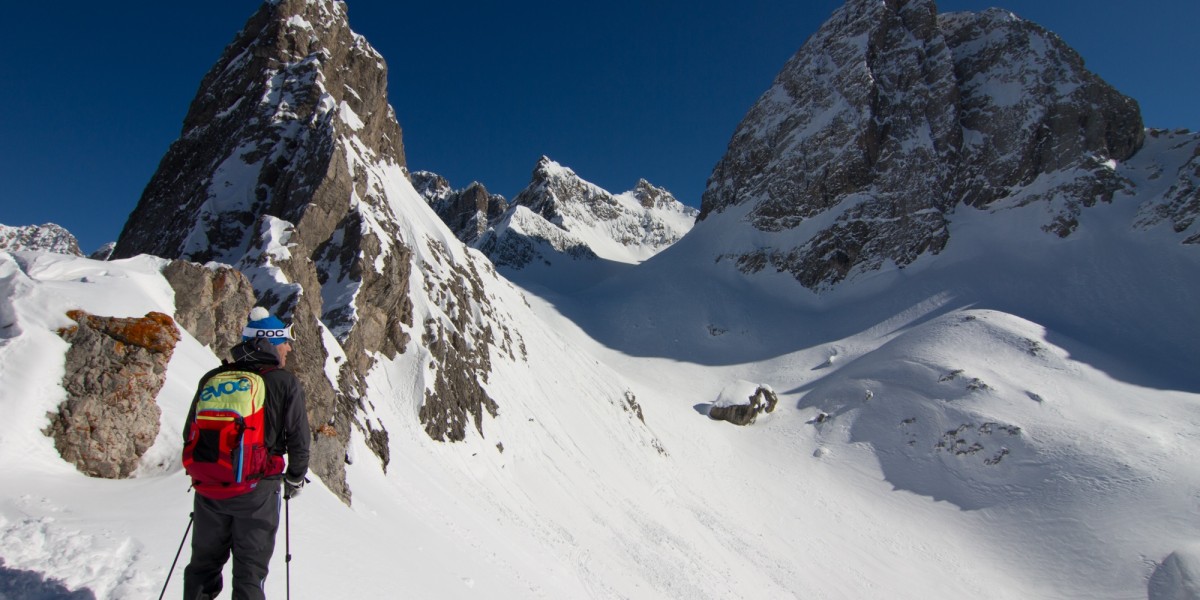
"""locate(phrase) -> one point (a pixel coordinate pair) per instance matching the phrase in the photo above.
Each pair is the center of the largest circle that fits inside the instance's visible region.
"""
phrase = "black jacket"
(286, 419)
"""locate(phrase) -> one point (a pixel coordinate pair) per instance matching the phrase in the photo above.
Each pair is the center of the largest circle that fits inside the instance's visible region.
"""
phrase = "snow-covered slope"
(1011, 417)
(963, 451)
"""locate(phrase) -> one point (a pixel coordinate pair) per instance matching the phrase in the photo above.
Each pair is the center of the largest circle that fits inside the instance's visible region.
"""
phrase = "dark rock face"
(39, 238)
(114, 371)
(294, 79)
(890, 117)
(1064, 119)
(103, 252)
(466, 212)
(291, 168)
(762, 401)
(457, 398)
(652, 196)
(211, 302)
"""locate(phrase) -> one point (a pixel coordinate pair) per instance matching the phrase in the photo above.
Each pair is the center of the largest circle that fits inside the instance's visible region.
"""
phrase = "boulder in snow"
(733, 407)
(114, 371)
(1178, 577)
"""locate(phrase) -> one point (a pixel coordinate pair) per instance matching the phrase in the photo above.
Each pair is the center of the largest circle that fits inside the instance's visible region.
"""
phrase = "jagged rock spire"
(260, 135)
(467, 212)
(291, 167)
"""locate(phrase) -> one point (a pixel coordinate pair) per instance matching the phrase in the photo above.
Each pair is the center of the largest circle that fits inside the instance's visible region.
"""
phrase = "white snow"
(299, 22)
(349, 116)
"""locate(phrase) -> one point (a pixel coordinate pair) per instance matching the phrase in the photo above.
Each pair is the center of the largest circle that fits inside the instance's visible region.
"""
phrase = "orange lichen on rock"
(155, 331)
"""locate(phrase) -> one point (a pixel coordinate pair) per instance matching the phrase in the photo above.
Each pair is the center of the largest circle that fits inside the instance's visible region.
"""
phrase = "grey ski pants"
(245, 526)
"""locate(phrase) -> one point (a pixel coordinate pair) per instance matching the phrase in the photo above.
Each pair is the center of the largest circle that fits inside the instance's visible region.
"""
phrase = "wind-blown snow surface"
(977, 425)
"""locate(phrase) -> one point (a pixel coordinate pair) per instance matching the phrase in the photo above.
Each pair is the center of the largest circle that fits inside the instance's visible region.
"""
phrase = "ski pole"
(287, 542)
(191, 519)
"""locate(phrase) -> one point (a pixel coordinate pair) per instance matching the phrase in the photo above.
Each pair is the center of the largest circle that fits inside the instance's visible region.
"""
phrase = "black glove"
(292, 487)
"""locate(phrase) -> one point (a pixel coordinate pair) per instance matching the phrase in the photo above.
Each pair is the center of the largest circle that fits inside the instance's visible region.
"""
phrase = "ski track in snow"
(50, 540)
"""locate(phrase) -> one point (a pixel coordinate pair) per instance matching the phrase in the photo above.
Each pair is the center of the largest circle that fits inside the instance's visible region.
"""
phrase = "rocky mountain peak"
(44, 238)
(293, 82)
(433, 187)
(891, 116)
(552, 185)
(652, 196)
(291, 167)
(559, 217)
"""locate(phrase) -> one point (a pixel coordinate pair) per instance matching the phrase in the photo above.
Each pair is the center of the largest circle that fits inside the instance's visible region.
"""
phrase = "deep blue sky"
(96, 92)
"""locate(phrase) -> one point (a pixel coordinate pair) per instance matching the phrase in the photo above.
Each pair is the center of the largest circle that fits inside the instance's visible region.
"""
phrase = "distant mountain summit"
(627, 227)
(891, 118)
(43, 238)
(560, 217)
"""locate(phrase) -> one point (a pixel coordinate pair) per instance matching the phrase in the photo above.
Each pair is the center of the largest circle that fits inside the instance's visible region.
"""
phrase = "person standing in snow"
(242, 516)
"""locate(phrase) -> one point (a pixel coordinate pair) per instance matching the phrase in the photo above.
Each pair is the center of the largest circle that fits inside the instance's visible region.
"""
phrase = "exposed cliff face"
(467, 212)
(891, 117)
(291, 168)
(211, 302)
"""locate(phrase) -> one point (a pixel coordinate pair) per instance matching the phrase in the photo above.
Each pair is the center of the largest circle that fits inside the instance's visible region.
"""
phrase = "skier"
(245, 416)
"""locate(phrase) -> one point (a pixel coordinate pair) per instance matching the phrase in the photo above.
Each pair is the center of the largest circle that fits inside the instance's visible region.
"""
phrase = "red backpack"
(225, 452)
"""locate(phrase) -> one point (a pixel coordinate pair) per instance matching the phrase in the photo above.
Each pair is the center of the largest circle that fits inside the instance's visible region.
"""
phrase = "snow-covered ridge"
(628, 227)
(560, 219)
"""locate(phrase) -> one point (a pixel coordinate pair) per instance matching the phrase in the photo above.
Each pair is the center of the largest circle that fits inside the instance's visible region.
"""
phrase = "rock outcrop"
(104, 252)
(115, 368)
(763, 400)
(39, 238)
(891, 117)
(261, 179)
(211, 302)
